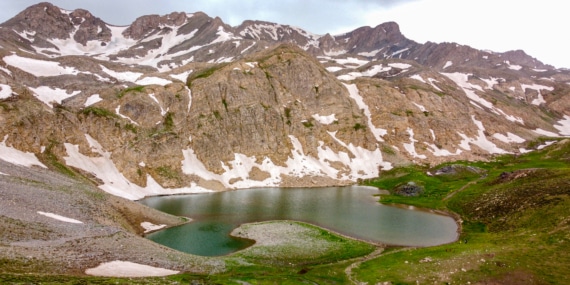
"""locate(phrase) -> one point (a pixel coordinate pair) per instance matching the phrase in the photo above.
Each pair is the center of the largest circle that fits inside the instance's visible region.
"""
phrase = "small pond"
(352, 211)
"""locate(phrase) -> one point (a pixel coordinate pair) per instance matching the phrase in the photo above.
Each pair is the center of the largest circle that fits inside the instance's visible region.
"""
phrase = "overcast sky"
(537, 27)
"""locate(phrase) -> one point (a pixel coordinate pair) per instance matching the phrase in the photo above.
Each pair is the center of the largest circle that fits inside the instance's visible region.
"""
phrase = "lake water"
(352, 211)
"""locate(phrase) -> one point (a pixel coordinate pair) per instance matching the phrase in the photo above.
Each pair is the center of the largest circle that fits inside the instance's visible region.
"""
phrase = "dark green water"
(352, 211)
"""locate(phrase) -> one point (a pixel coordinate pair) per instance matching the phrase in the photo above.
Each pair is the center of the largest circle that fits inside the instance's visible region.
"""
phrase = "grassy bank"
(516, 224)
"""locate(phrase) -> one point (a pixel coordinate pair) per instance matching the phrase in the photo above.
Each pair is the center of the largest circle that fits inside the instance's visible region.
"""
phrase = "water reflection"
(349, 210)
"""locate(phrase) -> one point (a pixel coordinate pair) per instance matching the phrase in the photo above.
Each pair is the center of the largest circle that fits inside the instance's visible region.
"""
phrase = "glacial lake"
(352, 211)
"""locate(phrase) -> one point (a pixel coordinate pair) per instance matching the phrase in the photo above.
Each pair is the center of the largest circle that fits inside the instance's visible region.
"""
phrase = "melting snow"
(325, 120)
(545, 133)
(448, 64)
(509, 138)
(95, 98)
(563, 126)
(545, 144)
(60, 218)
(122, 76)
(400, 65)
(355, 95)
(153, 80)
(351, 62)
(368, 54)
(418, 77)
(540, 99)
(462, 80)
(5, 91)
(480, 141)
(114, 182)
(491, 82)
(359, 162)
(18, 157)
(181, 76)
(118, 112)
(422, 108)
(38, 67)
(436, 151)
(120, 268)
(334, 68)
(49, 95)
(162, 111)
(411, 148)
(5, 69)
(368, 73)
(149, 227)
(513, 66)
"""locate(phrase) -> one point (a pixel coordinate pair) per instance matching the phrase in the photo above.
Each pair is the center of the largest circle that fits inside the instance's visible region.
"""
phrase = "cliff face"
(183, 102)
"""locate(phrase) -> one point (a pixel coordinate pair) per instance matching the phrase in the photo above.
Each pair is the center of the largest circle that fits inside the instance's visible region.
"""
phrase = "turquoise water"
(352, 211)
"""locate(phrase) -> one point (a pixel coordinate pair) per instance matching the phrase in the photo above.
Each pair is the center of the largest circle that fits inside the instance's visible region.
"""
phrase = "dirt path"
(463, 188)
(374, 254)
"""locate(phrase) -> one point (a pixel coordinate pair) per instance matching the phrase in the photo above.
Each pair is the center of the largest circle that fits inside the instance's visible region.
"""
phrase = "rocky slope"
(184, 103)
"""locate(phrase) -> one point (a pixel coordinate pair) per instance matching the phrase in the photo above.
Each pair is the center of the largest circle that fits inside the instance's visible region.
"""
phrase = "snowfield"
(38, 67)
(120, 268)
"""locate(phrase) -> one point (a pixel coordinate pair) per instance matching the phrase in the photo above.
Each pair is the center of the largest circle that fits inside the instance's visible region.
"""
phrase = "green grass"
(124, 92)
(99, 112)
(516, 226)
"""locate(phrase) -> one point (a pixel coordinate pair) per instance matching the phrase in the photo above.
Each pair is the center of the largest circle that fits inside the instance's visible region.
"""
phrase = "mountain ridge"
(184, 102)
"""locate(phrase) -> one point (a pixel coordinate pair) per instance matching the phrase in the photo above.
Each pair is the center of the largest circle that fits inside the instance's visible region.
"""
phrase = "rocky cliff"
(184, 103)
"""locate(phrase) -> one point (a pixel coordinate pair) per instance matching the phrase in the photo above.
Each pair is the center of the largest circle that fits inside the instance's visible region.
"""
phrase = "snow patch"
(355, 95)
(481, 140)
(462, 80)
(448, 64)
(540, 99)
(325, 120)
(418, 77)
(18, 157)
(118, 112)
(513, 66)
(122, 76)
(400, 65)
(120, 268)
(368, 73)
(563, 126)
(5, 91)
(150, 227)
(181, 76)
(38, 67)
(60, 218)
(367, 54)
(95, 98)
(114, 182)
(153, 80)
(351, 62)
(50, 95)
(334, 68)
(545, 133)
(436, 151)
(410, 147)
(422, 108)
(509, 138)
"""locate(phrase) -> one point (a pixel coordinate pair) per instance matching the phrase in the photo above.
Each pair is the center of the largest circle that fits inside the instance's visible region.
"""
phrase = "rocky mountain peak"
(43, 19)
(146, 25)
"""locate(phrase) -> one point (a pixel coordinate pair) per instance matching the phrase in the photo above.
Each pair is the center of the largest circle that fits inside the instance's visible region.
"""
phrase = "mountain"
(183, 102)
